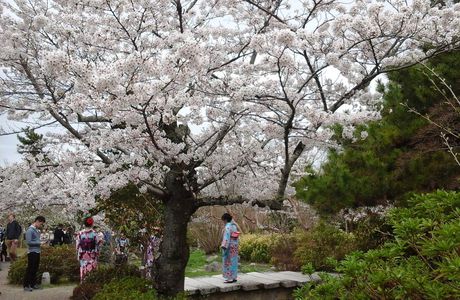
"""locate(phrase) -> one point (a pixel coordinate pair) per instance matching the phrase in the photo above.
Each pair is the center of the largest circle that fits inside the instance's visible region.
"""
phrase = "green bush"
(283, 249)
(371, 232)
(421, 262)
(60, 261)
(257, 248)
(105, 254)
(322, 243)
(291, 251)
(86, 291)
(96, 279)
(127, 288)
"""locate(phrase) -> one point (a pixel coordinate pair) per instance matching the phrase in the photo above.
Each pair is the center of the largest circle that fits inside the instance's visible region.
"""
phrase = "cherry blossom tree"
(203, 102)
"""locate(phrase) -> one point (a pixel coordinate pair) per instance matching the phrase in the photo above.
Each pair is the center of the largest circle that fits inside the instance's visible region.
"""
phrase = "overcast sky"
(8, 143)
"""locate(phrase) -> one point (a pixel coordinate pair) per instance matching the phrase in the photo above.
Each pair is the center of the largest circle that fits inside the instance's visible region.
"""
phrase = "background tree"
(31, 142)
(132, 213)
(402, 152)
(203, 102)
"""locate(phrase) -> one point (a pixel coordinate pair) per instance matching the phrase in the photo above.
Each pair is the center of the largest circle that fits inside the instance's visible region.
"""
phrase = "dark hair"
(40, 219)
(227, 217)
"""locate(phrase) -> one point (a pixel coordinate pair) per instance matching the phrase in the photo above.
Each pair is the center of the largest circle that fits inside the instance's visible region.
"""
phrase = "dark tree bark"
(170, 266)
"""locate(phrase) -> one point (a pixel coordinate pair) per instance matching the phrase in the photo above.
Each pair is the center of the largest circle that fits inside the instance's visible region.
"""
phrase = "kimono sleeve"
(226, 238)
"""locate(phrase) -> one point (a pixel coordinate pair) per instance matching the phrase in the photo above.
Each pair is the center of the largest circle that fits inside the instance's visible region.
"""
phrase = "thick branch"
(179, 13)
(286, 171)
(155, 190)
(92, 119)
(229, 200)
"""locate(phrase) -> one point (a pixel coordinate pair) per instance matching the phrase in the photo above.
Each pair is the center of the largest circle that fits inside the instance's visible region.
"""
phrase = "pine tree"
(402, 153)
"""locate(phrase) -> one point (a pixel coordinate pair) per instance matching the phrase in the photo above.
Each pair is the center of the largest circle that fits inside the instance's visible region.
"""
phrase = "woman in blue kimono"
(229, 248)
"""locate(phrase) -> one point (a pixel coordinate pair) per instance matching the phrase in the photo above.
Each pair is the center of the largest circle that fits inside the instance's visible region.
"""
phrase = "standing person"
(87, 248)
(121, 249)
(229, 248)
(3, 253)
(58, 236)
(67, 236)
(13, 232)
(153, 251)
(108, 237)
(33, 254)
(44, 236)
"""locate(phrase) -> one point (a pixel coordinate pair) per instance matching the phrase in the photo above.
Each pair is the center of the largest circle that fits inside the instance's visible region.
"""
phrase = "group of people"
(89, 242)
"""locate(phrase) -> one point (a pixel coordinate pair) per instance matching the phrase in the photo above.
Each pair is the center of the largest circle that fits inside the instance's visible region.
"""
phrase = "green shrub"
(282, 251)
(105, 255)
(96, 279)
(105, 273)
(85, 291)
(291, 251)
(322, 243)
(257, 248)
(421, 262)
(127, 288)
(371, 232)
(60, 261)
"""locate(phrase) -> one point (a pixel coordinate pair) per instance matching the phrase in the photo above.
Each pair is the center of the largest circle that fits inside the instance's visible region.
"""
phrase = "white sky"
(8, 145)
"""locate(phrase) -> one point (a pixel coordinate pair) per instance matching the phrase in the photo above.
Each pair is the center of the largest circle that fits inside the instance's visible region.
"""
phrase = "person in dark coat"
(59, 234)
(3, 253)
(13, 232)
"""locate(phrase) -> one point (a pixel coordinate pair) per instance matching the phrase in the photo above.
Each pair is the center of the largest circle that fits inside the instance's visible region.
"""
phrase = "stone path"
(247, 282)
(14, 292)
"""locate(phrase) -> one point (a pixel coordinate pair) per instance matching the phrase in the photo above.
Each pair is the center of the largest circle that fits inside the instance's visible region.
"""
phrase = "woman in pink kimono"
(229, 248)
(87, 248)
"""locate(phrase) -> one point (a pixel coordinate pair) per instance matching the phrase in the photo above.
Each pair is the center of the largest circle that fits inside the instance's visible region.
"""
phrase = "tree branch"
(229, 200)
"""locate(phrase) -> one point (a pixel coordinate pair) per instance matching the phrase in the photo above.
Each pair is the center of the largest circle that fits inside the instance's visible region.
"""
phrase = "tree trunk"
(170, 266)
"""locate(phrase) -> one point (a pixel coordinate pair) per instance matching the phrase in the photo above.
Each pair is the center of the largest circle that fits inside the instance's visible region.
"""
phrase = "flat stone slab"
(246, 283)
(298, 278)
(219, 282)
(285, 282)
(193, 286)
(266, 283)
(312, 277)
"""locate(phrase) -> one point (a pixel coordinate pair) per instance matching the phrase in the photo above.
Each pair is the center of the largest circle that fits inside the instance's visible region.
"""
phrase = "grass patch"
(198, 260)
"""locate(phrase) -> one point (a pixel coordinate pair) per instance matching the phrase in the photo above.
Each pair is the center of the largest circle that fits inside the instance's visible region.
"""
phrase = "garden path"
(253, 285)
(14, 292)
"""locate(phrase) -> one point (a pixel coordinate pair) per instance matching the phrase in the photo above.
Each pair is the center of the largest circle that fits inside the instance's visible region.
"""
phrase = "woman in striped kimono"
(229, 248)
